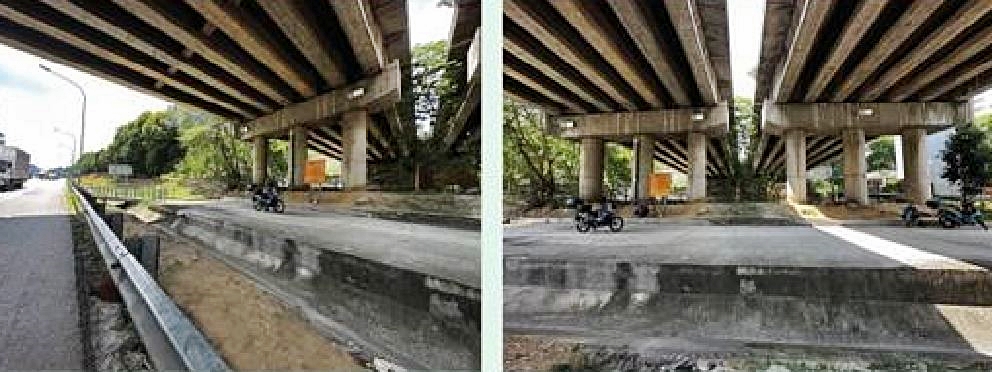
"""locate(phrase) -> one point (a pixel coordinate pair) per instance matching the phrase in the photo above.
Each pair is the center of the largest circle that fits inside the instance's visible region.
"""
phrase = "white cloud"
(34, 102)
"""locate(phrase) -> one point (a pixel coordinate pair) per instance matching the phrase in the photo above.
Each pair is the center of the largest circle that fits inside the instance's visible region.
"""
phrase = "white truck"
(13, 167)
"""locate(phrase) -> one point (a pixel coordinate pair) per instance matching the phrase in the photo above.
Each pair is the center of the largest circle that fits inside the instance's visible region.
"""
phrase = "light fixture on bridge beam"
(357, 92)
(697, 116)
(866, 111)
(566, 123)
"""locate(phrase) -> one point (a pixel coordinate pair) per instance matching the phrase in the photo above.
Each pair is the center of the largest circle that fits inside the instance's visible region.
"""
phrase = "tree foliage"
(882, 154)
(966, 158)
(435, 95)
(535, 163)
(148, 143)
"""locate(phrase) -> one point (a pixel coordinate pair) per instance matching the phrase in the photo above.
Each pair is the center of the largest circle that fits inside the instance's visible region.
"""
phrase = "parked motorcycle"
(966, 215)
(267, 199)
(911, 215)
(586, 218)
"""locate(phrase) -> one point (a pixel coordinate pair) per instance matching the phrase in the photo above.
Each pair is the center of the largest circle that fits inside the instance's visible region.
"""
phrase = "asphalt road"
(741, 245)
(440, 251)
(39, 314)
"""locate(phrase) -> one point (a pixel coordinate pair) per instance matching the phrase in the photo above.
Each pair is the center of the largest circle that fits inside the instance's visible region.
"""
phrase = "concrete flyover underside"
(616, 70)
(265, 65)
(845, 72)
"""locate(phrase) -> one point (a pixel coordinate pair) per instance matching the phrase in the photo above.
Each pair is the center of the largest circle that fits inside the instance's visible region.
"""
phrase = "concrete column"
(855, 166)
(914, 157)
(591, 169)
(354, 129)
(795, 166)
(260, 160)
(697, 165)
(297, 155)
(642, 165)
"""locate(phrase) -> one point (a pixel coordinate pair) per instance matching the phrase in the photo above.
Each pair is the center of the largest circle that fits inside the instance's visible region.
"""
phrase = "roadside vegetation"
(184, 152)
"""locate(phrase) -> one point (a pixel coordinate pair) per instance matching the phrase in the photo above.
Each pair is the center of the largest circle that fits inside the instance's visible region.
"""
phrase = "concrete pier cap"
(713, 121)
(874, 118)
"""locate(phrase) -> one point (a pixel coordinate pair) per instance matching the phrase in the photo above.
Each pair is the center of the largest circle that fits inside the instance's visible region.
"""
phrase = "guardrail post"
(145, 249)
(116, 222)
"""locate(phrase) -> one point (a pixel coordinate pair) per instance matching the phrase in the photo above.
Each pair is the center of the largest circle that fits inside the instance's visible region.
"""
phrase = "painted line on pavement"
(905, 254)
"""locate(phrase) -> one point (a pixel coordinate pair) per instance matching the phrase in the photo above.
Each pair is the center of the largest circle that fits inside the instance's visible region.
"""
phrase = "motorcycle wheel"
(947, 223)
(279, 207)
(582, 226)
(259, 206)
(617, 224)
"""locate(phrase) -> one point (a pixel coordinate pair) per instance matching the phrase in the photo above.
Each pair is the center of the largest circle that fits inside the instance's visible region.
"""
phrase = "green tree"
(536, 164)
(617, 170)
(435, 94)
(882, 154)
(213, 149)
(966, 157)
(148, 143)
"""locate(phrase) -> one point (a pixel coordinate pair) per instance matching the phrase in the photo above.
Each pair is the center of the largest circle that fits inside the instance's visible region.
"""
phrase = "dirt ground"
(251, 330)
(527, 353)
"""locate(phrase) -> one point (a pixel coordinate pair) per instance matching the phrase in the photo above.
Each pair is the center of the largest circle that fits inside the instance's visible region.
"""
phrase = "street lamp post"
(82, 127)
(72, 160)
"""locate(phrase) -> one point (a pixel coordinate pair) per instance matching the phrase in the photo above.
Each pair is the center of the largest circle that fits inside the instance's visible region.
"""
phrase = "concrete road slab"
(699, 245)
(969, 244)
(444, 252)
(39, 313)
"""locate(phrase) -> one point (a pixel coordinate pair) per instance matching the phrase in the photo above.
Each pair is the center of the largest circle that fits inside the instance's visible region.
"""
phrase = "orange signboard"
(660, 185)
(315, 171)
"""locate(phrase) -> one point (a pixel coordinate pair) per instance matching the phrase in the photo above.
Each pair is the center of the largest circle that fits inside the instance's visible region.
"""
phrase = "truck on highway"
(13, 167)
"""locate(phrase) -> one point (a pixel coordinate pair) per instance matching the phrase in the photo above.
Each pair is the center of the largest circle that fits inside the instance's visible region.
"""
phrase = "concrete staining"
(723, 291)
(39, 313)
(407, 293)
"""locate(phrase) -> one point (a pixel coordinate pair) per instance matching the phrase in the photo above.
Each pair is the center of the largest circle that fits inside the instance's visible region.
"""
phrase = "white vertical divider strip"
(492, 185)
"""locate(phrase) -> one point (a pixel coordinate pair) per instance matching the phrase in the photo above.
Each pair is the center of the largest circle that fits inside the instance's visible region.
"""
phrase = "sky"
(34, 102)
(745, 21)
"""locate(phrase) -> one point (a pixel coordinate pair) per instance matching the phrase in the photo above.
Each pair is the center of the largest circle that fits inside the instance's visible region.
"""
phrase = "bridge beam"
(812, 17)
(709, 120)
(865, 14)
(873, 118)
(372, 94)
(688, 25)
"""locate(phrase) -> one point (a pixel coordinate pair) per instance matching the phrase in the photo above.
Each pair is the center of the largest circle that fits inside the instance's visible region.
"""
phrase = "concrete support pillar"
(297, 155)
(914, 157)
(697, 165)
(642, 165)
(260, 160)
(795, 166)
(591, 169)
(354, 129)
(855, 166)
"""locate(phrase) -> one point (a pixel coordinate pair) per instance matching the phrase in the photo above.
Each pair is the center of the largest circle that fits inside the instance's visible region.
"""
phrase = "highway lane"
(39, 313)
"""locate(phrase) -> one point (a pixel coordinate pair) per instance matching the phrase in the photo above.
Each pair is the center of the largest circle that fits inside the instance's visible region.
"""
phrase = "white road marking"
(899, 252)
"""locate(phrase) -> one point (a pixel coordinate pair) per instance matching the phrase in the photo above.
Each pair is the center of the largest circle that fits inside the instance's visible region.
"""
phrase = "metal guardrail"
(172, 341)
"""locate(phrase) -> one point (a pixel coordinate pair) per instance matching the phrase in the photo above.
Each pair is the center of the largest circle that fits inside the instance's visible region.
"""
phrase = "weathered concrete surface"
(407, 292)
(729, 290)
(39, 313)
